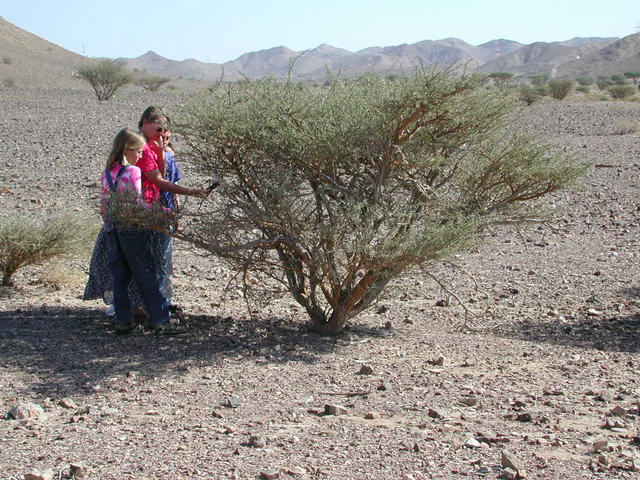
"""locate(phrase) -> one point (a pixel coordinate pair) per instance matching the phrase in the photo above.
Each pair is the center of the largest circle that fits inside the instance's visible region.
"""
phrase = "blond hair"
(125, 139)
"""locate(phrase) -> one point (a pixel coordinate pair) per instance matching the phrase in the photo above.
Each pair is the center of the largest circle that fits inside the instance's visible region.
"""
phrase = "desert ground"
(549, 374)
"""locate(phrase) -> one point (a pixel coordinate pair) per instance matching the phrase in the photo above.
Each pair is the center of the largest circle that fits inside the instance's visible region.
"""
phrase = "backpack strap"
(113, 184)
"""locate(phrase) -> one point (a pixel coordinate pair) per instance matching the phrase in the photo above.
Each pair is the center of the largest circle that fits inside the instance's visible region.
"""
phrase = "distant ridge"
(32, 61)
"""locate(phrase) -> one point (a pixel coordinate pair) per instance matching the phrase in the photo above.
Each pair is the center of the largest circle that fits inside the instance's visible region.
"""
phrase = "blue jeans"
(166, 267)
(130, 253)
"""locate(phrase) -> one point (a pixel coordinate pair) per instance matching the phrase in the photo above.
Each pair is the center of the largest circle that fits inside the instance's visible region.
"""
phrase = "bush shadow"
(606, 333)
(71, 350)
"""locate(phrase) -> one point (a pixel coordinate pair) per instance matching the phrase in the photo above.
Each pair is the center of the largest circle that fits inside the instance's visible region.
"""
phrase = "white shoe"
(111, 311)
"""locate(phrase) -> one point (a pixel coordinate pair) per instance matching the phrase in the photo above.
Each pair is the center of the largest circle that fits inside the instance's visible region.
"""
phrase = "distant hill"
(26, 59)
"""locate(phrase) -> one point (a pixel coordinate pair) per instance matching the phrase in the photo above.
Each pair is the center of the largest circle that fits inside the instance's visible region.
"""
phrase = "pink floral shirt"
(131, 180)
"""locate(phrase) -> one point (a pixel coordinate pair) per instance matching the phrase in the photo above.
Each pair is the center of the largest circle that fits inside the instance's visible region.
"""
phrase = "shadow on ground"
(67, 350)
(615, 334)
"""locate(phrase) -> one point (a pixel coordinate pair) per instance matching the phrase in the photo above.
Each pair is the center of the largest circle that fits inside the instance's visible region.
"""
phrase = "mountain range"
(23, 53)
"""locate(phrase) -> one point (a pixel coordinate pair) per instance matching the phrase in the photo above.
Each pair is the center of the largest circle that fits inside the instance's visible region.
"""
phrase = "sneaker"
(111, 311)
(124, 329)
(168, 328)
(175, 308)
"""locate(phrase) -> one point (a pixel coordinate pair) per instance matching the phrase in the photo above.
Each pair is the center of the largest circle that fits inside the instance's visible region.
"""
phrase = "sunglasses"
(161, 129)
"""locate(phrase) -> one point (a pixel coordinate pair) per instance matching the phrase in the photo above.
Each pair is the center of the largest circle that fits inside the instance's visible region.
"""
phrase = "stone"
(524, 417)
(472, 443)
(440, 361)
(25, 410)
(336, 410)
(78, 470)
(635, 465)
(365, 370)
(384, 386)
(231, 402)
(433, 413)
(601, 445)
(296, 471)
(39, 475)
(371, 415)
(604, 460)
(257, 441)
(605, 396)
(67, 402)
(618, 411)
(269, 474)
(509, 474)
(592, 312)
(509, 460)
(469, 401)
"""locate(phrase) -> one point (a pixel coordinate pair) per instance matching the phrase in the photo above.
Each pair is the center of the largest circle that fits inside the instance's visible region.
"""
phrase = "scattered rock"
(384, 386)
(602, 445)
(365, 370)
(472, 443)
(618, 411)
(606, 396)
(470, 401)
(592, 312)
(231, 402)
(39, 475)
(78, 470)
(509, 474)
(635, 465)
(509, 460)
(604, 460)
(257, 441)
(433, 413)
(270, 474)
(216, 414)
(67, 402)
(524, 417)
(440, 361)
(296, 471)
(331, 409)
(371, 415)
(25, 410)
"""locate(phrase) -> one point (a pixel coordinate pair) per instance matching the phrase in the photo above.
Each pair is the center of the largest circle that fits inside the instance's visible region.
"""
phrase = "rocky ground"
(550, 377)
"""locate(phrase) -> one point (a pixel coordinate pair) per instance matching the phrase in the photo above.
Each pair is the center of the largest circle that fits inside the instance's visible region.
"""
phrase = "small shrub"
(626, 127)
(583, 89)
(542, 90)
(152, 82)
(539, 80)
(528, 94)
(9, 82)
(604, 82)
(7, 60)
(621, 92)
(634, 76)
(559, 89)
(500, 78)
(105, 76)
(584, 81)
(618, 79)
(172, 87)
(26, 242)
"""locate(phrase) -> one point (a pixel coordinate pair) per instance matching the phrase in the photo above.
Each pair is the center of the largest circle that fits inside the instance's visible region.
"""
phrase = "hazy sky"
(218, 31)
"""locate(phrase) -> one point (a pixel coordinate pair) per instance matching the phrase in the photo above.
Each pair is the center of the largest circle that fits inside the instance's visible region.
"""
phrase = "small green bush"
(31, 241)
(152, 82)
(559, 89)
(621, 91)
(604, 82)
(7, 60)
(583, 89)
(528, 94)
(618, 79)
(9, 82)
(105, 76)
(542, 90)
(584, 81)
(634, 76)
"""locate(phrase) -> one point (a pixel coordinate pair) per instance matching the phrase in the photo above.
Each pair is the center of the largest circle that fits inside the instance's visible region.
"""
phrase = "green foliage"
(621, 91)
(539, 80)
(559, 89)
(543, 90)
(634, 76)
(152, 82)
(500, 78)
(105, 76)
(604, 82)
(7, 60)
(618, 79)
(25, 241)
(334, 192)
(9, 82)
(528, 94)
(584, 81)
(583, 89)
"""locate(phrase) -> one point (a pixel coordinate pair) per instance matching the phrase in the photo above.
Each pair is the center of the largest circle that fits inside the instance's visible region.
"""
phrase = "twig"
(348, 394)
(466, 324)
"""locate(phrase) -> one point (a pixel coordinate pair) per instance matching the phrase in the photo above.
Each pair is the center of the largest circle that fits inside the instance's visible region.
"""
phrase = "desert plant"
(627, 126)
(25, 241)
(528, 94)
(618, 79)
(584, 81)
(9, 82)
(152, 82)
(559, 89)
(539, 80)
(603, 82)
(500, 78)
(583, 89)
(334, 192)
(105, 76)
(621, 91)
(634, 76)
(7, 60)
